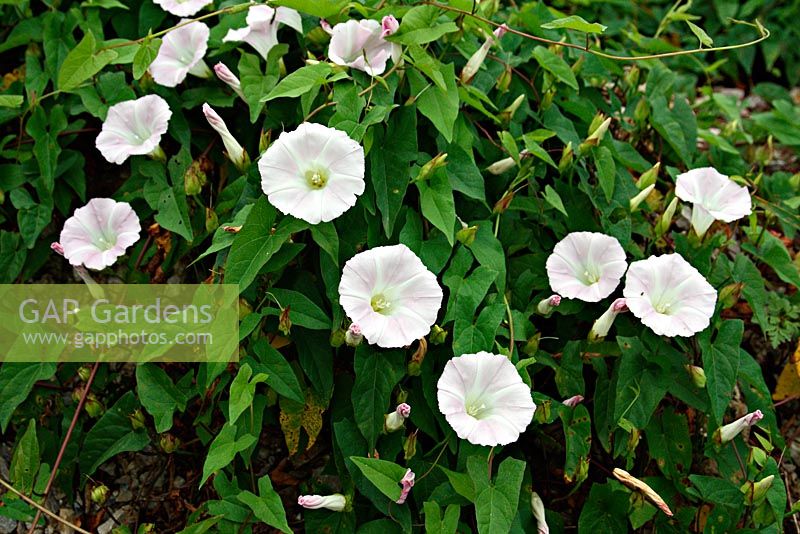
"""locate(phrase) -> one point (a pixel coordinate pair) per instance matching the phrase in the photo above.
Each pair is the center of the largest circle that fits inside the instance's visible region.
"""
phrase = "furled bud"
(567, 157)
(440, 160)
(234, 150)
(641, 111)
(532, 346)
(264, 140)
(598, 132)
(603, 324)
(726, 433)
(467, 235)
(573, 401)
(137, 419)
(437, 335)
(228, 77)
(729, 295)
(476, 60)
(546, 306)
(631, 77)
(169, 443)
(640, 197)
(755, 492)
(407, 482)
(664, 222)
(649, 177)
(58, 248)
(637, 485)
(537, 506)
(697, 374)
(502, 205)
(508, 113)
(193, 179)
(395, 420)
(504, 80)
(338, 337)
(410, 446)
(336, 502)
(284, 321)
(389, 25)
(84, 372)
(99, 494)
(353, 337)
(501, 166)
(212, 221)
(93, 406)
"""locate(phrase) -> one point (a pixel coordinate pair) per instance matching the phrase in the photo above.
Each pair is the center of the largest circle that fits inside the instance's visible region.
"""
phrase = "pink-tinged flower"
(669, 295)
(336, 502)
(586, 266)
(407, 482)
(181, 53)
(395, 420)
(360, 44)
(353, 337)
(261, 31)
(227, 77)
(538, 513)
(573, 401)
(603, 323)
(714, 196)
(133, 128)
(235, 151)
(731, 430)
(546, 306)
(484, 399)
(314, 173)
(476, 60)
(389, 25)
(182, 8)
(57, 248)
(100, 232)
(391, 295)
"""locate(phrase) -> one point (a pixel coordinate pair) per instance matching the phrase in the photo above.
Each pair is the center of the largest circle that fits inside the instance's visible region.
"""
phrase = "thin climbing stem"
(510, 327)
(764, 34)
(41, 508)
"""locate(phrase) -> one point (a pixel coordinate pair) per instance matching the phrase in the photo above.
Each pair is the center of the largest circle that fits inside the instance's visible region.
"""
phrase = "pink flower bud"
(731, 430)
(57, 248)
(407, 483)
(545, 306)
(403, 410)
(353, 336)
(394, 420)
(325, 25)
(573, 401)
(228, 77)
(500, 31)
(389, 25)
(335, 502)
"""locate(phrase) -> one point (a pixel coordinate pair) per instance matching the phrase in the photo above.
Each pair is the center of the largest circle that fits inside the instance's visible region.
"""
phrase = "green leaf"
(496, 503)
(438, 105)
(267, 505)
(159, 395)
(721, 364)
(419, 26)
(324, 235)
(256, 243)
(112, 434)
(25, 460)
(376, 375)
(578, 437)
(224, 449)
(302, 310)
(203, 526)
(668, 127)
(16, 383)
(670, 443)
(11, 101)
(300, 81)
(642, 381)
(464, 175)
(242, 391)
(552, 197)
(280, 375)
(386, 476)
(173, 214)
(435, 524)
(256, 84)
(700, 33)
(82, 63)
(438, 205)
(315, 8)
(145, 55)
(389, 166)
(555, 65)
(532, 146)
(605, 510)
(606, 171)
(575, 22)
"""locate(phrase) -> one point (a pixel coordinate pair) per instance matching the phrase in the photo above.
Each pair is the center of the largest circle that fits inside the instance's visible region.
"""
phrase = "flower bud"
(532, 346)
(146, 528)
(407, 482)
(93, 406)
(440, 160)
(603, 324)
(476, 60)
(640, 197)
(395, 420)
(507, 114)
(284, 321)
(537, 506)
(502, 204)
(729, 295)
(755, 492)
(234, 150)
(573, 401)
(637, 485)
(642, 111)
(194, 179)
(169, 443)
(353, 337)
(99, 494)
(264, 140)
(226, 76)
(318, 36)
(504, 80)
(546, 306)
(137, 419)
(84, 372)
(389, 25)
(338, 337)
(437, 335)
(697, 374)
(501, 166)
(649, 177)
(56, 247)
(212, 221)
(467, 235)
(567, 156)
(726, 433)
(631, 77)
(664, 222)
(410, 446)
(336, 502)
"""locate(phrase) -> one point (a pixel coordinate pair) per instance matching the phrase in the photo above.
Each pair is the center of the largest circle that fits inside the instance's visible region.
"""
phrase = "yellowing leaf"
(789, 381)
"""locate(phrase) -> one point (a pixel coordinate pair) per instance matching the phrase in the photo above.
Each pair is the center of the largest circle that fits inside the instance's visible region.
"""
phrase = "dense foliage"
(480, 174)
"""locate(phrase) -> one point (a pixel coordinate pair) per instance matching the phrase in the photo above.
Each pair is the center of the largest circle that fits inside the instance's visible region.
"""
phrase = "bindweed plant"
(502, 267)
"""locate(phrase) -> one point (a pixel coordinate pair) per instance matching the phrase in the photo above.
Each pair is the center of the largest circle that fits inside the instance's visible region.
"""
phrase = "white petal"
(133, 127)
(98, 233)
(181, 49)
(586, 266)
(182, 8)
(720, 197)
